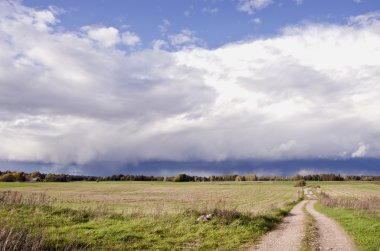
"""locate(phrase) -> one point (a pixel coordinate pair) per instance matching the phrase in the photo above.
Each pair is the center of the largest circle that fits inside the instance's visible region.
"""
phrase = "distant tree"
(20, 177)
(8, 177)
(250, 177)
(183, 178)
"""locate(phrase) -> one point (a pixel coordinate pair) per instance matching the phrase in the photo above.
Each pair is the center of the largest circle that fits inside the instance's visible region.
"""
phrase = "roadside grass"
(356, 207)
(362, 226)
(368, 204)
(33, 221)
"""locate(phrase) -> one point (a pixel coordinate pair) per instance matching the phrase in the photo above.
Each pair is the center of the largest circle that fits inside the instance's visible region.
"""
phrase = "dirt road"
(289, 234)
(331, 235)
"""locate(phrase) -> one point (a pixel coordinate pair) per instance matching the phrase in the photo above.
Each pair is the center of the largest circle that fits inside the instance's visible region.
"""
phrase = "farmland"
(147, 215)
(163, 215)
(148, 197)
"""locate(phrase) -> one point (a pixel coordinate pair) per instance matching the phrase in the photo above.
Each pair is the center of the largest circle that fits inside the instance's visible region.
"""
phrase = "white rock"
(202, 218)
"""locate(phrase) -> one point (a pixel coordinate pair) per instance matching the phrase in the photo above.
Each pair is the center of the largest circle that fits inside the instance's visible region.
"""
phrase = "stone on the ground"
(204, 217)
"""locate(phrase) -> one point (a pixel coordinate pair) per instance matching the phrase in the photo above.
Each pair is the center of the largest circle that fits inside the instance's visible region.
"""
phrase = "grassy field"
(143, 215)
(350, 189)
(356, 207)
(163, 216)
(156, 197)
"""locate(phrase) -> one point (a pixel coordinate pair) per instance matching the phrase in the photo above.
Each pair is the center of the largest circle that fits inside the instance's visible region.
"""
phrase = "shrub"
(300, 183)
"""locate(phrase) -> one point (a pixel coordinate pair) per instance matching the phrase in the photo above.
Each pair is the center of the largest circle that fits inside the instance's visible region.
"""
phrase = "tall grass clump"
(25, 221)
(17, 198)
(21, 239)
(370, 203)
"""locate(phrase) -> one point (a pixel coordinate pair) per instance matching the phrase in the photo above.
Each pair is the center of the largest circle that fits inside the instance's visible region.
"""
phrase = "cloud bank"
(312, 91)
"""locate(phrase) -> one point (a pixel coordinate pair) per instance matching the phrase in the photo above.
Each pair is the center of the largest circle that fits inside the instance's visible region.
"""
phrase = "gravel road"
(331, 235)
(288, 235)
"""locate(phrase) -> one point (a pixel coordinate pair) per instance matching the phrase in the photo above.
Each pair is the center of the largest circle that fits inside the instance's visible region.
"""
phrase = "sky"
(202, 86)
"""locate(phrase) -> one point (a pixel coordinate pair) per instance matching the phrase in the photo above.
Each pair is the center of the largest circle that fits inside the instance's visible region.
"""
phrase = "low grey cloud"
(312, 91)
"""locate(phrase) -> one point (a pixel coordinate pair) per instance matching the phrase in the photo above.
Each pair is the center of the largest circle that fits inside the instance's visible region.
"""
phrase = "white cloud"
(130, 38)
(299, 2)
(361, 151)
(107, 36)
(358, 1)
(251, 6)
(164, 27)
(305, 172)
(210, 10)
(159, 44)
(366, 19)
(189, 11)
(257, 20)
(310, 92)
(184, 38)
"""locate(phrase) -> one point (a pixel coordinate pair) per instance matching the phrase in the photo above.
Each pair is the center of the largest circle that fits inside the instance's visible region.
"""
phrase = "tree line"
(11, 176)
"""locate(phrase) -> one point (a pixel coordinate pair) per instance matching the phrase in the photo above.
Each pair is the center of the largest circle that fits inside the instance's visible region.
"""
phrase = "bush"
(300, 183)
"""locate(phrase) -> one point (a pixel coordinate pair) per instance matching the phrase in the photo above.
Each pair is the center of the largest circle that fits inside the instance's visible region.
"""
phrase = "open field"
(163, 215)
(151, 197)
(349, 188)
(147, 215)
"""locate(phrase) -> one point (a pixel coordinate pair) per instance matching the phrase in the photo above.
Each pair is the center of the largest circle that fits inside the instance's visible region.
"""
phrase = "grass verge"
(362, 226)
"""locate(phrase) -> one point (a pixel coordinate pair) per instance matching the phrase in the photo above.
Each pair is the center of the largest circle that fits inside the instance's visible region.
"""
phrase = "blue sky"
(216, 22)
(270, 86)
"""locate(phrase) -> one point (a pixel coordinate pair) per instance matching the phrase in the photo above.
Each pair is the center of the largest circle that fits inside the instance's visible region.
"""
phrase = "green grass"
(228, 230)
(149, 215)
(162, 216)
(310, 239)
(363, 227)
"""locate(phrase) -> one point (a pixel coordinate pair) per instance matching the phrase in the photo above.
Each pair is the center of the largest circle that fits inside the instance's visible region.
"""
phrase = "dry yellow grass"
(352, 189)
(158, 197)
